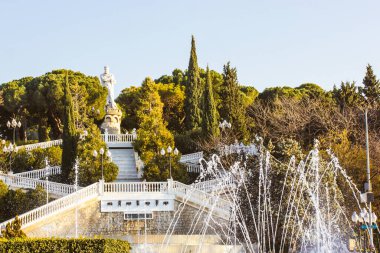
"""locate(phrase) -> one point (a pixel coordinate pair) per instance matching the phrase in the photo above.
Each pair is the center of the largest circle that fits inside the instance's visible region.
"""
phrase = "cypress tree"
(210, 120)
(193, 91)
(233, 107)
(371, 89)
(69, 140)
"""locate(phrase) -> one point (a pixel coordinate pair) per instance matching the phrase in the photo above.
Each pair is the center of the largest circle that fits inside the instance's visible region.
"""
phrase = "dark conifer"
(193, 91)
(233, 107)
(210, 120)
(69, 139)
(371, 89)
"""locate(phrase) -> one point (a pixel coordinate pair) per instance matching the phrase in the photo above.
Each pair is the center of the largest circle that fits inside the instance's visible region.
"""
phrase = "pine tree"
(371, 89)
(210, 120)
(69, 142)
(233, 107)
(347, 95)
(193, 91)
(13, 229)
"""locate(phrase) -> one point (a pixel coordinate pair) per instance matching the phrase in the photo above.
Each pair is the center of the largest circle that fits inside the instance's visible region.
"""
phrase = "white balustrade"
(193, 168)
(138, 187)
(55, 206)
(31, 183)
(47, 144)
(185, 193)
(123, 138)
(217, 204)
(41, 173)
(214, 185)
(193, 157)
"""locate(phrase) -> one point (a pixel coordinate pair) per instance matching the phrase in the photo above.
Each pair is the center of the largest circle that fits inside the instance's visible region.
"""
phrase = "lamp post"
(47, 173)
(169, 151)
(14, 124)
(101, 152)
(12, 148)
(369, 185)
(76, 168)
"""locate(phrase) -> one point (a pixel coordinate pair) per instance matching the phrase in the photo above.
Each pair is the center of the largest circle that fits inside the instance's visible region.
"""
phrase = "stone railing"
(47, 144)
(61, 204)
(37, 174)
(214, 184)
(31, 183)
(193, 157)
(185, 193)
(216, 204)
(120, 187)
(119, 137)
(193, 168)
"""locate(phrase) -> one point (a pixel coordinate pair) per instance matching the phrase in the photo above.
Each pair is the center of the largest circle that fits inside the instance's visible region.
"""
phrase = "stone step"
(125, 160)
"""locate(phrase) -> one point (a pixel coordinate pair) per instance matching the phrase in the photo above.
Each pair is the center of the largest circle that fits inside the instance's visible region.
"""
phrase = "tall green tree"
(233, 109)
(371, 89)
(70, 142)
(347, 95)
(193, 91)
(210, 124)
(152, 134)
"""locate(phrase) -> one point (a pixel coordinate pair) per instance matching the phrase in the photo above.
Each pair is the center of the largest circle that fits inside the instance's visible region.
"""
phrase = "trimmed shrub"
(59, 245)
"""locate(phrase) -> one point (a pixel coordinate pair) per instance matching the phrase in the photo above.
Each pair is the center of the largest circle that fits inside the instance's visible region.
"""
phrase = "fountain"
(274, 207)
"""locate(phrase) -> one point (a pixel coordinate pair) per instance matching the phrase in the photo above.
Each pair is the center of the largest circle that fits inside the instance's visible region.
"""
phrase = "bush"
(57, 245)
(35, 159)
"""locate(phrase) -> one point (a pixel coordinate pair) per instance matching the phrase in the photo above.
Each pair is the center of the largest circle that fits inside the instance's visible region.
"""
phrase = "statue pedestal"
(112, 120)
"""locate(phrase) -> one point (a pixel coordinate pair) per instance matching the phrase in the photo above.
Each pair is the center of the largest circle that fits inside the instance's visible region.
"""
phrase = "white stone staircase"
(124, 158)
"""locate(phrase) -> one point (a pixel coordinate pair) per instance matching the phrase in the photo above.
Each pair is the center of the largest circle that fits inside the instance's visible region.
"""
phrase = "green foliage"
(233, 109)
(159, 169)
(70, 145)
(210, 124)
(15, 202)
(371, 89)
(35, 159)
(193, 91)
(60, 245)
(173, 97)
(249, 95)
(152, 134)
(90, 170)
(284, 149)
(128, 103)
(187, 141)
(38, 101)
(13, 229)
(347, 95)
(178, 77)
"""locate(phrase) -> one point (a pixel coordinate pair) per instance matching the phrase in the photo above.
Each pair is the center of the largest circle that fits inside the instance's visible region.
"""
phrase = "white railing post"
(106, 135)
(170, 185)
(101, 187)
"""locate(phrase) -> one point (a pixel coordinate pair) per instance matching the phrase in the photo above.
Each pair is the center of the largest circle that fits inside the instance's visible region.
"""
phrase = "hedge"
(53, 245)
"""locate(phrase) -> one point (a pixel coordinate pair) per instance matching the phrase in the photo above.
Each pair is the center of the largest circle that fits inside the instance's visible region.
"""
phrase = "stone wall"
(92, 222)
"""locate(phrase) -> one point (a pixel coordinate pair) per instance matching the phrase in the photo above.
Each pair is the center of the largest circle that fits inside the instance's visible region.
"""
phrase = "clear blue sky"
(270, 42)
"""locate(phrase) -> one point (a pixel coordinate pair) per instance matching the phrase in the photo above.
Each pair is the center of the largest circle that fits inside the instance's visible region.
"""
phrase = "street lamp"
(101, 152)
(14, 124)
(169, 151)
(12, 148)
(76, 168)
(47, 173)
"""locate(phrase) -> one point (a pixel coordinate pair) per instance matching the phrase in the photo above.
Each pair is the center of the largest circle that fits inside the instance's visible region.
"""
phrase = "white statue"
(108, 81)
